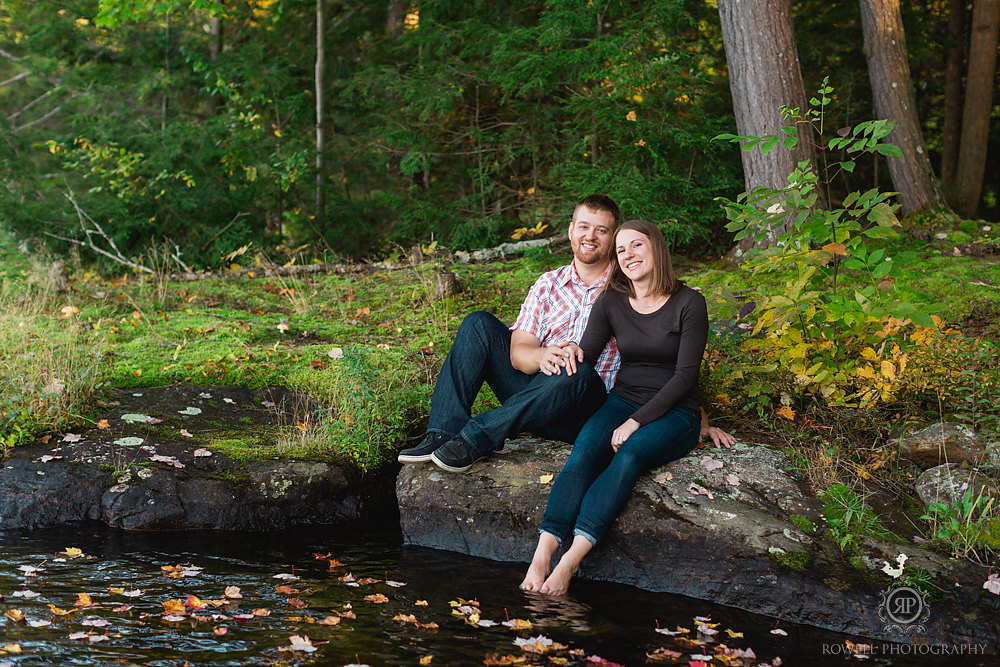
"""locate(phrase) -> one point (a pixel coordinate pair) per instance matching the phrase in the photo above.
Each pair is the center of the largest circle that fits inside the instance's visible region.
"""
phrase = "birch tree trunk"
(764, 75)
(892, 89)
(978, 104)
(320, 109)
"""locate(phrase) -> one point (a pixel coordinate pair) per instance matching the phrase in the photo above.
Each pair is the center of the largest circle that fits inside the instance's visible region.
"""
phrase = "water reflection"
(612, 621)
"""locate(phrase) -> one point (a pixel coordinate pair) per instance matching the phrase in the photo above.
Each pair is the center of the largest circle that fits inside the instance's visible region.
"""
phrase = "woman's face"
(635, 254)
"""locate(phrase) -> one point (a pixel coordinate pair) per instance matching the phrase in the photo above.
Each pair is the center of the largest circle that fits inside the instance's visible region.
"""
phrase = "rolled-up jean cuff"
(583, 533)
(558, 539)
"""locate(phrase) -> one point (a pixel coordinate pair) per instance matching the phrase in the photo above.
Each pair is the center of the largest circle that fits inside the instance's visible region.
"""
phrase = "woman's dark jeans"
(596, 482)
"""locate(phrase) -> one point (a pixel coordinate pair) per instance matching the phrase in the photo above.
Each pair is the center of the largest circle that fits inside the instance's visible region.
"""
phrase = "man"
(541, 386)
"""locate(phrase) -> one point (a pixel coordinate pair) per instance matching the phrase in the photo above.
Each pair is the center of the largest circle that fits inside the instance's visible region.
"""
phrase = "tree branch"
(99, 231)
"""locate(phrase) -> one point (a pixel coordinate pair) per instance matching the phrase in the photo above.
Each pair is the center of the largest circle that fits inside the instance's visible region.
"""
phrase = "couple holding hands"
(605, 354)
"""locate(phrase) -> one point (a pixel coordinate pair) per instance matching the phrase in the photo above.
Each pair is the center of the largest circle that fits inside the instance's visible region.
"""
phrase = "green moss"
(803, 523)
(243, 449)
(797, 561)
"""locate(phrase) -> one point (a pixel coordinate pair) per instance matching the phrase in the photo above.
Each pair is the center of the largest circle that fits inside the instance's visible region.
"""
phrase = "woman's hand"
(718, 437)
(622, 433)
(558, 356)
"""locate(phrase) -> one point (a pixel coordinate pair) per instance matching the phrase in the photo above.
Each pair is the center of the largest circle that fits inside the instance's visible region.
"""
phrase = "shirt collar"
(570, 276)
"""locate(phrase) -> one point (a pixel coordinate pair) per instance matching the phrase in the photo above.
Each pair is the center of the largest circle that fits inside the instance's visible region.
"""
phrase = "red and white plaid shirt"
(556, 310)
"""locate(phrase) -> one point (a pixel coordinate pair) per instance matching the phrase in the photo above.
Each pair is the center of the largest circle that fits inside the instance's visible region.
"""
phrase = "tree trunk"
(320, 110)
(215, 49)
(394, 16)
(764, 75)
(892, 90)
(978, 104)
(952, 130)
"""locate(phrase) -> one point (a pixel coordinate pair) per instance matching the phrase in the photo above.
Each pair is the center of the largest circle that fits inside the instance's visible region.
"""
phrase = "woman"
(650, 417)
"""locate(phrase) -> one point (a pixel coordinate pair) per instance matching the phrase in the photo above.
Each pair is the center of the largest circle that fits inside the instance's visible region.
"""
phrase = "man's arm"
(528, 356)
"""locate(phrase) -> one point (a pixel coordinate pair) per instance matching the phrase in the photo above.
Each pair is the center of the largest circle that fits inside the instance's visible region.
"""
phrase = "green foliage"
(848, 516)
(970, 526)
(835, 331)
(373, 397)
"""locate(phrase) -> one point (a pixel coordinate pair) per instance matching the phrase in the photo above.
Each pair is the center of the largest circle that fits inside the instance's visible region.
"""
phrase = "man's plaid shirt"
(556, 310)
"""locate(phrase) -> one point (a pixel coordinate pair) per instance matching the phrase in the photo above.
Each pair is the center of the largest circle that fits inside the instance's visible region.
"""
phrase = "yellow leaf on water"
(426, 660)
(11, 648)
(72, 552)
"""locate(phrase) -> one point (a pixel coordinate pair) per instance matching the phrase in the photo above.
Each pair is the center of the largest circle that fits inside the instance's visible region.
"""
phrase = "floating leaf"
(233, 593)
(130, 441)
(300, 643)
(376, 598)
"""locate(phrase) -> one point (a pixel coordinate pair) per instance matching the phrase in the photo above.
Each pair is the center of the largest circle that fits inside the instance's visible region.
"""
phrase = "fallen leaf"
(420, 603)
(219, 631)
(732, 480)
(83, 600)
(300, 643)
(376, 598)
(663, 477)
(318, 365)
(228, 400)
(710, 464)
(169, 460)
(185, 433)
(15, 615)
(72, 437)
(103, 424)
(335, 353)
(94, 622)
(699, 490)
(60, 612)
(204, 394)
(664, 655)
(786, 412)
(992, 584)
(517, 624)
(779, 631)
(285, 576)
(190, 411)
(545, 479)
(48, 457)
(174, 606)
(201, 453)
(329, 620)
(194, 602)
(284, 589)
(233, 593)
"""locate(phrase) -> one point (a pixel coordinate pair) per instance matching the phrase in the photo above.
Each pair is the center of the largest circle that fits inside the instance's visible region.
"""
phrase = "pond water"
(378, 606)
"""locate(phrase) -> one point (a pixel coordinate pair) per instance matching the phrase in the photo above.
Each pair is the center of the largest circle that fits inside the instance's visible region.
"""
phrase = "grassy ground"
(367, 346)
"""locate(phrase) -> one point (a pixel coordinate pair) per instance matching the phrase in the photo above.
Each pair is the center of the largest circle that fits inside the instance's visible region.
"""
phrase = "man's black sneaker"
(423, 451)
(454, 456)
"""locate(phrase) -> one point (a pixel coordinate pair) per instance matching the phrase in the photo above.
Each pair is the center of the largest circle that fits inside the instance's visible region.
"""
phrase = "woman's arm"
(598, 331)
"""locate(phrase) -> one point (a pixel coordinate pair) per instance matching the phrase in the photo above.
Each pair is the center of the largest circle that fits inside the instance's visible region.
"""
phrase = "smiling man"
(540, 384)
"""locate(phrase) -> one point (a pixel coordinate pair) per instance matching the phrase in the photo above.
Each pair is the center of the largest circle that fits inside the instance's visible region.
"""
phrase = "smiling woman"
(650, 417)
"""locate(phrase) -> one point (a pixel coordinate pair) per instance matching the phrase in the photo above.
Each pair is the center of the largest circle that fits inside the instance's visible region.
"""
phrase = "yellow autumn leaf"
(889, 370)
(630, 116)
(545, 479)
(426, 660)
(786, 412)
(836, 249)
(72, 552)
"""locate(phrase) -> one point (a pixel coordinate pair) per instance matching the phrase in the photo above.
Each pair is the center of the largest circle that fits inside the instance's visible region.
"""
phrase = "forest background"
(146, 137)
(193, 125)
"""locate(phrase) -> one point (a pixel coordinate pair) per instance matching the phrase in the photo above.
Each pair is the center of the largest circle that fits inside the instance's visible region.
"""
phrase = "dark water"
(609, 621)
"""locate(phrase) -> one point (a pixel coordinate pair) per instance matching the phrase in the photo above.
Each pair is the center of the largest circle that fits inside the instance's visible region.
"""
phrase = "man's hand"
(718, 437)
(622, 433)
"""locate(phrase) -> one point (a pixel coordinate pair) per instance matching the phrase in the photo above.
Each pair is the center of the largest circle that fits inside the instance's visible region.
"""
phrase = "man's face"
(590, 235)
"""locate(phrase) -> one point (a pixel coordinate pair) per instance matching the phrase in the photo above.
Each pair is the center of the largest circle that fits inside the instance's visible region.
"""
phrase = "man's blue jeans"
(596, 482)
(554, 406)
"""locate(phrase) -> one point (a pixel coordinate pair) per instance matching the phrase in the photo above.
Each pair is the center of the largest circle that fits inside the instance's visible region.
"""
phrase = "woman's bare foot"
(538, 571)
(558, 582)
(535, 577)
